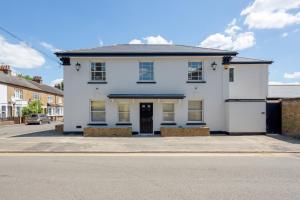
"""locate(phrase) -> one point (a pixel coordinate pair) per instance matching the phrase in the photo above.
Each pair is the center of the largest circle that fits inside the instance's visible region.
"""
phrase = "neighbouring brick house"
(291, 117)
(17, 92)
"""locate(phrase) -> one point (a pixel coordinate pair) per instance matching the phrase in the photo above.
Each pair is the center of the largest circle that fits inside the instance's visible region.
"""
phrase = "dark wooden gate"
(274, 116)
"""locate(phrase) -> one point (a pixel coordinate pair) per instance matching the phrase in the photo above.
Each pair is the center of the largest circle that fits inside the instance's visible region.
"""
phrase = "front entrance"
(146, 118)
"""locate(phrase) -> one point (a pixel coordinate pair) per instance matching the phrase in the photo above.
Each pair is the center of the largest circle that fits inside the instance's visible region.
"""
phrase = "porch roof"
(146, 96)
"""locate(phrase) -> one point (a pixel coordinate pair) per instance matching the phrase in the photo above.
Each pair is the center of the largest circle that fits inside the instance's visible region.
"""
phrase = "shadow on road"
(285, 138)
(48, 133)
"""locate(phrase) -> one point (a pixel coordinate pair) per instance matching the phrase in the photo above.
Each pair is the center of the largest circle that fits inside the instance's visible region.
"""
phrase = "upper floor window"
(146, 71)
(231, 74)
(168, 112)
(98, 71)
(195, 111)
(50, 99)
(97, 111)
(124, 113)
(195, 71)
(36, 96)
(18, 94)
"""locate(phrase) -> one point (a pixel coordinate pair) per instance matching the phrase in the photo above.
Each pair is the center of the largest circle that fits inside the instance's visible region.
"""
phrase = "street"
(149, 176)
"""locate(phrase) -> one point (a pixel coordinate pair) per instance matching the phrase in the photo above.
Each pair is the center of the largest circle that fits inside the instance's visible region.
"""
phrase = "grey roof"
(243, 60)
(14, 80)
(284, 91)
(146, 96)
(145, 49)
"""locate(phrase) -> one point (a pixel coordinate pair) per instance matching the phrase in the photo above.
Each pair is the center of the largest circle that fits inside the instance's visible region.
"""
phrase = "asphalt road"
(149, 176)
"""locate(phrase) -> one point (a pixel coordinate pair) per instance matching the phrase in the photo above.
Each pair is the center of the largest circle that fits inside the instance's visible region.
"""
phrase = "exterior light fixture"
(77, 66)
(214, 65)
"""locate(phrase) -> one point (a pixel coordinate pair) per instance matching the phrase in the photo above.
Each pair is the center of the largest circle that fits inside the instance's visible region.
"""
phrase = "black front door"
(146, 118)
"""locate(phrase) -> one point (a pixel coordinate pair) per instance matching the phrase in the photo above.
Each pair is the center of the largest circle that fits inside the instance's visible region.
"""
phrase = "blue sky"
(267, 29)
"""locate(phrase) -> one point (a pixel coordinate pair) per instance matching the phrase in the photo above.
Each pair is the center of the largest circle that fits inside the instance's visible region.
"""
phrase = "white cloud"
(293, 75)
(151, 40)
(49, 47)
(56, 81)
(135, 41)
(268, 14)
(282, 83)
(232, 39)
(284, 34)
(19, 55)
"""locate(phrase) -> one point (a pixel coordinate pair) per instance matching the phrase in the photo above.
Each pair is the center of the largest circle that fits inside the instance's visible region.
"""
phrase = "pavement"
(149, 176)
(42, 139)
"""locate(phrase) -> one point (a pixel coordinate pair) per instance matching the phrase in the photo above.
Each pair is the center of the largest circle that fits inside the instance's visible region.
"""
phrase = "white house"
(150, 86)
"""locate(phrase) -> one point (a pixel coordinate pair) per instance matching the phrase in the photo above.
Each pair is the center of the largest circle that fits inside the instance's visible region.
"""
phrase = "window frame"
(36, 94)
(90, 111)
(202, 71)
(119, 112)
(99, 71)
(50, 97)
(163, 120)
(231, 74)
(152, 71)
(20, 95)
(195, 110)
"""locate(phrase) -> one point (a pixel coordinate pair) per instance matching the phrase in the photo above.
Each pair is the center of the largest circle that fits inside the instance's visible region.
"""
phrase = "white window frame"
(3, 112)
(200, 110)
(168, 112)
(90, 111)
(50, 99)
(36, 96)
(141, 79)
(119, 112)
(202, 71)
(100, 71)
(18, 94)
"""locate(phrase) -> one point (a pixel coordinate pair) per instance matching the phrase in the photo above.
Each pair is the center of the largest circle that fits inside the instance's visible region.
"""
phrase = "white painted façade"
(150, 86)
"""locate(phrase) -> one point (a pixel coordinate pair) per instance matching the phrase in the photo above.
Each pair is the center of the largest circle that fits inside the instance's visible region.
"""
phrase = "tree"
(60, 85)
(34, 107)
(27, 77)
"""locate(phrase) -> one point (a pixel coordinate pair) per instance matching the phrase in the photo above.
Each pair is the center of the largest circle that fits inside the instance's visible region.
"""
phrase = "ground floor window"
(18, 111)
(49, 112)
(168, 112)
(97, 109)
(195, 111)
(3, 112)
(124, 112)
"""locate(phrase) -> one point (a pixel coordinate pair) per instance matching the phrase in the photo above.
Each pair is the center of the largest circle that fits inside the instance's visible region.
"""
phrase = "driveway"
(42, 138)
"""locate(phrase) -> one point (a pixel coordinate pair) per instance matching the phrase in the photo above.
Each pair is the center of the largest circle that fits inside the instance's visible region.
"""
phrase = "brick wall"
(291, 117)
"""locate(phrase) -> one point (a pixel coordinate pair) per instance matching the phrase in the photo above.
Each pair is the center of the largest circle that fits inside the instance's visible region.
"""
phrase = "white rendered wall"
(250, 82)
(3, 94)
(246, 117)
(170, 73)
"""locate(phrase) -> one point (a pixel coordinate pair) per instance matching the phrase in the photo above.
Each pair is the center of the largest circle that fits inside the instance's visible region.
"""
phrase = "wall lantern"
(77, 66)
(214, 65)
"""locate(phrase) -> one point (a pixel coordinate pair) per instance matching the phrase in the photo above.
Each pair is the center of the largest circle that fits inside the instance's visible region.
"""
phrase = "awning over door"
(146, 96)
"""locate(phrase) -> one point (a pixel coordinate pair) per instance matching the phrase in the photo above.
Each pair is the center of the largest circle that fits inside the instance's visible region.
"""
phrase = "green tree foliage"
(27, 77)
(34, 107)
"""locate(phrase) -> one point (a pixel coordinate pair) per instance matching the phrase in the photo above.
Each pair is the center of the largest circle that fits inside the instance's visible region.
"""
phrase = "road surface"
(149, 176)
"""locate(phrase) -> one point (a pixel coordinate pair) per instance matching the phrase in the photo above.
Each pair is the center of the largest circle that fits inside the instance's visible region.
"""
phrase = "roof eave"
(130, 54)
(249, 63)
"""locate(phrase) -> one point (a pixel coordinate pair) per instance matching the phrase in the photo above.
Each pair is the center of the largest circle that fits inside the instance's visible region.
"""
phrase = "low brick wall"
(291, 117)
(107, 132)
(187, 131)
(59, 128)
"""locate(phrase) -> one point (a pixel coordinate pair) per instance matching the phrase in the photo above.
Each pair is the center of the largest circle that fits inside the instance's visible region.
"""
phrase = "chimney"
(5, 69)
(38, 79)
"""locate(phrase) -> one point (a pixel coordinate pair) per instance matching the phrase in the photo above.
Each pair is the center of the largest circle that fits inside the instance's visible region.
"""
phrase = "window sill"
(195, 81)
(97, 124)
(168, 123)
(146, 82)
(97, 82)
(195, 123)
(123, 124)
